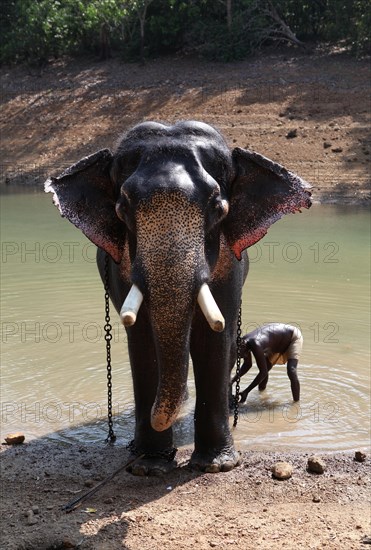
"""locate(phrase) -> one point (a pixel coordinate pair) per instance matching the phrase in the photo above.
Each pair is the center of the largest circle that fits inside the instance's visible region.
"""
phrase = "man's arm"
(263, 366)
(245, 367)
(294, 381)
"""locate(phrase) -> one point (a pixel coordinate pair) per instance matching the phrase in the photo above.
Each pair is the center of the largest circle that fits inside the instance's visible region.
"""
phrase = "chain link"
(111, 438)
(238, 367)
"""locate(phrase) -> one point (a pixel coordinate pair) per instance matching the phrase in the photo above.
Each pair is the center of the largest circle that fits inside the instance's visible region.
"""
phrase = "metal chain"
(111, 438)
(238, 367)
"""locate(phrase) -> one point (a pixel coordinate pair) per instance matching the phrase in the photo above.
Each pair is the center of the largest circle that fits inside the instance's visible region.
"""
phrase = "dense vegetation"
(34, 31)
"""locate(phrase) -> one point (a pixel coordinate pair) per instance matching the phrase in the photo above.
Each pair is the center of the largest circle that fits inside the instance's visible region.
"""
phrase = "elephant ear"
(262, 192)
(85, 195)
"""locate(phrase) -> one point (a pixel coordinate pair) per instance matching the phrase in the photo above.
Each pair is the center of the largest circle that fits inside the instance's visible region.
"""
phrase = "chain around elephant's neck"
(238, 367)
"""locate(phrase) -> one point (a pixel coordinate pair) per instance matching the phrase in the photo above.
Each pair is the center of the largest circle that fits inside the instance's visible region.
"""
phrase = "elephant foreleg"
(157, 446)
(214, 449)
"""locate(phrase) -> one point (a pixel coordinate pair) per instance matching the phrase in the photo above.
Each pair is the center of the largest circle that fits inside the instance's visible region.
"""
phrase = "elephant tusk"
(210, 309)
(131, 306)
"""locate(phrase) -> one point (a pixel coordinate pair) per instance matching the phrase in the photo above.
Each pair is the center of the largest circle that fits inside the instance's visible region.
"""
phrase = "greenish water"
(311, 270)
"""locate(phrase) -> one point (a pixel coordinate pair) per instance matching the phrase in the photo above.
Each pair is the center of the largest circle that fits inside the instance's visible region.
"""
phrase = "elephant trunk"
(170, 258)
(170, 302)
(172, 326)
(172, 343)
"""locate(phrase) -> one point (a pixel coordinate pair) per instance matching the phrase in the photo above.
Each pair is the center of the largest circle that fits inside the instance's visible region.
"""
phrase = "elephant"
(173, 210)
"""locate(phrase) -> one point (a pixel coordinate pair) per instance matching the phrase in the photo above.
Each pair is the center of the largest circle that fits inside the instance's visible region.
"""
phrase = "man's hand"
(243, 396)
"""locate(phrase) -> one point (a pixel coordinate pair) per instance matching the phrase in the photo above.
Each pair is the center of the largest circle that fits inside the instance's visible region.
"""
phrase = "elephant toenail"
(227, 466)
(212, 468)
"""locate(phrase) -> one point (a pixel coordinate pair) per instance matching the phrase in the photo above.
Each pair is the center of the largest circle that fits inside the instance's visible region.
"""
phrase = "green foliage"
(34, 31)
(332, 21)
(166, 26)
(361, 36)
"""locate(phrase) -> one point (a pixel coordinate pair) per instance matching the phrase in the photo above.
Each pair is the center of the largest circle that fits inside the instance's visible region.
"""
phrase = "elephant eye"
(222, 207)
(122, 207)
(218, 211)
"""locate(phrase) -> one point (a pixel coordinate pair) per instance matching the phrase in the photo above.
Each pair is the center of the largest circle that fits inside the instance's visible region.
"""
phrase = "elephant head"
(164, 206)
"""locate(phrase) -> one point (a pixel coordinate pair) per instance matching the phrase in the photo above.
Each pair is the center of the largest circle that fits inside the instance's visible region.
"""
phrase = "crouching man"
(273, 344)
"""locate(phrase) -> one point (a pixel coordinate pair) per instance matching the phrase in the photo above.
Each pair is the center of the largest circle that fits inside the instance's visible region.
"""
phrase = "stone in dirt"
(360, 456)
(316, 465)
(15, 439)
(31, 520)
(282, 470)
(292, 134)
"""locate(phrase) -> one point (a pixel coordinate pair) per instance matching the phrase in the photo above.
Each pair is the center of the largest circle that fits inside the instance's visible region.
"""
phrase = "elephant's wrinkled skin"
(174, 209)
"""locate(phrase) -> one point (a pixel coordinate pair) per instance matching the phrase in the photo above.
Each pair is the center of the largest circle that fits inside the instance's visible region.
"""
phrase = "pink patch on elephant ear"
(262, 192)
(86, 196)
(247, 240)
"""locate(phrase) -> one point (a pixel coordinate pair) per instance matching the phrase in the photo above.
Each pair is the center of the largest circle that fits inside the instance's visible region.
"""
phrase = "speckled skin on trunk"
(175, 209)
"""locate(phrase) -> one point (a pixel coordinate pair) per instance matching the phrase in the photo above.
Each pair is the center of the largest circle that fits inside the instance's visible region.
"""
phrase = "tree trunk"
(141, 20)
(285, 29)
(104, 42)
(229, 15)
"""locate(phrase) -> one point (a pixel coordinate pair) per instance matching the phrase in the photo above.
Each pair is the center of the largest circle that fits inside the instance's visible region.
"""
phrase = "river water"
(311, 270)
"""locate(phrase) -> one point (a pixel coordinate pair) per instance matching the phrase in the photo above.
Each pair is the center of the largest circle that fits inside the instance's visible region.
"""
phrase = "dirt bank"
(245, 508)
(308, 112)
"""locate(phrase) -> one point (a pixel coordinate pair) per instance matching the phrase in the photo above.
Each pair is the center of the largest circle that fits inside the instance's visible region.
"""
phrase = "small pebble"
(15, 439)
(89, 483)
(35, 509)
(282, 470)
(67, 543)
(360, 456)
(316, 498)
(316, 465)
(337, 150)
(31, 520)
(292, 134)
